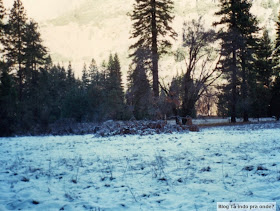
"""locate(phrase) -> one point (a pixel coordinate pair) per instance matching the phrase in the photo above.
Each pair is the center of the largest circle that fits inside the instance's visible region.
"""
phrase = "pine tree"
(34, 60)
(229, 48)
(275, 99)
(277, 41)
(139, 91)
(151, 26)
(93, 71)
(15, 44)
(264, 62)
(70, 76)
(237, 46)
(2, 25)
(275, 92)
(261, 79)
(7, 103)
(35, 52)
(117, 74)
(85, 78)
(248, 29)
(276, 53)
(115, 94)
(97, 91)
(176, 93)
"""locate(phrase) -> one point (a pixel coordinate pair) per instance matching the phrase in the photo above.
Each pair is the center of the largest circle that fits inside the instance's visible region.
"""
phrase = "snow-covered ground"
(209, 120)
(182, 171)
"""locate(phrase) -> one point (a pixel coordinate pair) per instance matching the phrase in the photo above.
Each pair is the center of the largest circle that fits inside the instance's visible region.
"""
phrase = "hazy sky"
(41, 10)
(102, 27)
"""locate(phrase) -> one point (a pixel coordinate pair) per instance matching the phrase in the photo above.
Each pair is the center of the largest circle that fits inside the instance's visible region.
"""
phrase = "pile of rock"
(112, 128)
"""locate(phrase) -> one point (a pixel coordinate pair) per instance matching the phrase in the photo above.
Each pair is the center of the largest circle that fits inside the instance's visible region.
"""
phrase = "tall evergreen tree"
(237, 44)
(115, 94)
(93, 71)
(261, 79)
(8, 118)
(276, 53)
(275, 99)
(85, 78)
(264, 63)
(98, 91)
(35, 52)
(70, 76)
(34, 59)
(139, 91)
(2, 25)
(176, 93)
(151, 26)
(15, 44)
(277, 41)
(230, 39)
(248, 29)
(275, 92)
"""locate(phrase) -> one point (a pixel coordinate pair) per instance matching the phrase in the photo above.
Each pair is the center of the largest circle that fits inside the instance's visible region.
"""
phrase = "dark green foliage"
(114, 89)
(151, 27)
(176, 93)
(170, 101)
(15, 44)
(34, 93)
(70, 78)
(277, 41)
(97, 92)
(276, 52)
(2, 24)
(238, 43)
(275, 92)
(230, 38)
(261, 78)
(75, 105)
(275, 100)
(139, 94)
(264, 62)
(248, 28)
(85, 78)
(8, 118)
(34, 50)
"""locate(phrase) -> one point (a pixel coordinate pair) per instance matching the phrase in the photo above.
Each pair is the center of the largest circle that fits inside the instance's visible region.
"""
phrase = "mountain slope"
(93, 29)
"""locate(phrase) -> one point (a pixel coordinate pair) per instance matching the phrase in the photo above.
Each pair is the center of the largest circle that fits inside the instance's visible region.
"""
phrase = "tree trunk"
(155, 56)
(244, 91)
(188, 101)
(234, 79)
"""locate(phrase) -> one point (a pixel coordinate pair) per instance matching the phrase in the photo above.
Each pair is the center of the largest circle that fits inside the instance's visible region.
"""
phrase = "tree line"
(235, 50)
(34, 92)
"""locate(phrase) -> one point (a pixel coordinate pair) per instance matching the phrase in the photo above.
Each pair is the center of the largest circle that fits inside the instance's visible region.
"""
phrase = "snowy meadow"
(179, 171)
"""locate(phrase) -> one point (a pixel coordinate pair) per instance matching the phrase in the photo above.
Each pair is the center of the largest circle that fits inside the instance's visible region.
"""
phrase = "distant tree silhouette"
(151, 27)
(2, 25)
(261, 79)
(15, 44)
(35, 52)
(201, 63)
(139, 94)
(115, 93)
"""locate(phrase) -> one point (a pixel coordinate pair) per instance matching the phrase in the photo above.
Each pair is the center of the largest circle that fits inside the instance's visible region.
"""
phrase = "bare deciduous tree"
(201, 60)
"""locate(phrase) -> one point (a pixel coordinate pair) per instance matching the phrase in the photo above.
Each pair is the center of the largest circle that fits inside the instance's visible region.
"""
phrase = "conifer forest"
(139, 105)
(234, 65)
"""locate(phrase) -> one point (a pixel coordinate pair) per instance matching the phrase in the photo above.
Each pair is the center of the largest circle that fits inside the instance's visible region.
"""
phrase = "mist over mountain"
(94, 28)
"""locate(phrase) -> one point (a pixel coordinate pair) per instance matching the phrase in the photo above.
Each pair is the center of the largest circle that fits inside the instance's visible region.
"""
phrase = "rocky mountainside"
(94, 28)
